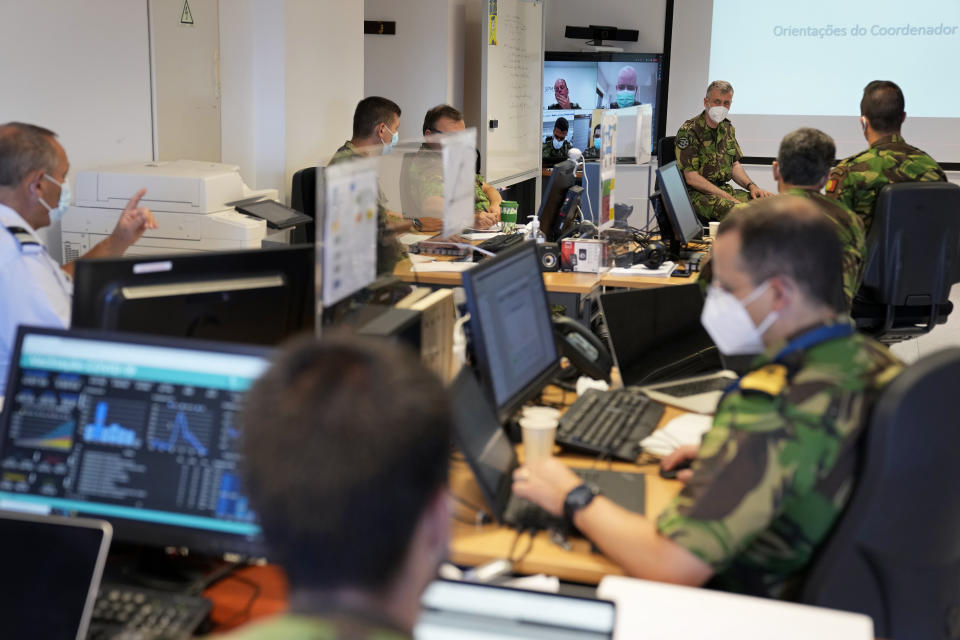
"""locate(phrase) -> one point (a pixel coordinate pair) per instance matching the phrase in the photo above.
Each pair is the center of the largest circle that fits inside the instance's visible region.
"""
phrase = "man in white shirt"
(34, 289)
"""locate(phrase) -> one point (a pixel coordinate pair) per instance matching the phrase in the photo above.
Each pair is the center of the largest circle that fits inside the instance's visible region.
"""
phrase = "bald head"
(627, 79)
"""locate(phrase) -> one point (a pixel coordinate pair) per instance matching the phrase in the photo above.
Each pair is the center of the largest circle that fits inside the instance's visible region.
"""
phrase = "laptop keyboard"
(609, 423)
(684, 389)
(135, 613)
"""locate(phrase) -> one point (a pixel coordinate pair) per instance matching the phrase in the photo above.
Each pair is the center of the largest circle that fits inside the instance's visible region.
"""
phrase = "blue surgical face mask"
(61, 208)
(388, 147)
(625, 98)
(557, 144)
(596, 144)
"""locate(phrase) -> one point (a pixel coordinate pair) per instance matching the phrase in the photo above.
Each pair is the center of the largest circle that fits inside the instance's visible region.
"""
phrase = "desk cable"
(532, 532)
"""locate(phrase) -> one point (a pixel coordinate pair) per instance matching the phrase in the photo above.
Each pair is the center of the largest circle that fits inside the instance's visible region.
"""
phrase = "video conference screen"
(577, 83)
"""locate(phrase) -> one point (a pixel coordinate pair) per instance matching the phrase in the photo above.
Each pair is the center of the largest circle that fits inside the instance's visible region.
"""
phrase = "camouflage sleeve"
(840, 185)
(738, 482)
(687, 149)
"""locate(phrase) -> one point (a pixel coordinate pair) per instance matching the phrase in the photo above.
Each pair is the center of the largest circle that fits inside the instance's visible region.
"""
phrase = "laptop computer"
(51, 573)
(487, 612)
(492, 459)
(657, 341)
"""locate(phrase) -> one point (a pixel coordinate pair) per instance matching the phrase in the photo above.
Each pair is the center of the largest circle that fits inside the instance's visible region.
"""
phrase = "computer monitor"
(558, 210)
(511, 327)
(593, 81)
(140, 431)
(676, 218)
(255, 296)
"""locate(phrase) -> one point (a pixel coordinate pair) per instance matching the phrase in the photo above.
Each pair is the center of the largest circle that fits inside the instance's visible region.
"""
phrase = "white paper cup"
(541, 412)
(538, 435)
(714, 227)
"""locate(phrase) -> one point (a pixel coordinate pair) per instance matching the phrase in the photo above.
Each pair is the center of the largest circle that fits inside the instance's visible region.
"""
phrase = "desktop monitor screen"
(511, 327)
(684, 226)
(258, 296)
(577, 83)
(136, 430)
(558, 208)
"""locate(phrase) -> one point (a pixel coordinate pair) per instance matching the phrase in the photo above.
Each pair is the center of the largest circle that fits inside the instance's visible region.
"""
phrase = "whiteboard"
(511, 77)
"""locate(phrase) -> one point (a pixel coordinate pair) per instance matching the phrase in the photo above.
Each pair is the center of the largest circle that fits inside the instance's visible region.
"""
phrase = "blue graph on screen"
(180, 429)
(99, 432)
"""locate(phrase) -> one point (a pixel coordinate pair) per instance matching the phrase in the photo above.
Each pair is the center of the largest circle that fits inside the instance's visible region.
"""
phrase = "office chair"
(895, 552)
(913, 258)
(666, 150)
(303, 198)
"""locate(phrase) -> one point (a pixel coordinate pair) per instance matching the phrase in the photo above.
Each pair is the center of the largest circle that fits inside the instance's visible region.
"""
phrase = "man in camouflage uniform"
(376, 121)
(709, 156)
(775, 470)
(346, 467)
(800, 169)
(424, 178)
(857, 180)
(556, 147)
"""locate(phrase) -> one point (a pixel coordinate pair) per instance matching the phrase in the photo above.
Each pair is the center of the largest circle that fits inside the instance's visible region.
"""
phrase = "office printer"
(189, 199)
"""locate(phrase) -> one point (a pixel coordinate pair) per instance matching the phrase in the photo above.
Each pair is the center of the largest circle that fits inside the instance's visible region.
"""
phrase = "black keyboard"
(609, 423)
(135, 613)
(498, 243)
(692, 388)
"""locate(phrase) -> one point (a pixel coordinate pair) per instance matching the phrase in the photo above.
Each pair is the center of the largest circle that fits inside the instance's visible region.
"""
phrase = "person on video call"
(556, 147)
(709, 156)
(626, 89)
(562, 96)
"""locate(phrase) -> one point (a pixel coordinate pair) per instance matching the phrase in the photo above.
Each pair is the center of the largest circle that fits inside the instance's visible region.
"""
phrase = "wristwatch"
(578, 498)
(417, 224)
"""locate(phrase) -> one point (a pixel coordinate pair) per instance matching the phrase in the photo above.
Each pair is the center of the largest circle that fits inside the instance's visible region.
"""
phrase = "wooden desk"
(643, 282)
(472, 545)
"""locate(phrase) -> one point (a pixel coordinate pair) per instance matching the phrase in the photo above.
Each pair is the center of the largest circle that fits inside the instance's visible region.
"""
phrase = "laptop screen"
(483, 441)
(656, 335)
(486, 612)
(51, 574)
(512, 331)
(137, 430)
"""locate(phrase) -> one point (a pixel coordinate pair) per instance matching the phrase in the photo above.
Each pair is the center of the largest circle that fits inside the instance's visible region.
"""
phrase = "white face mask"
(727, 321)
(557, 144)
(718, 114)
(61, 208)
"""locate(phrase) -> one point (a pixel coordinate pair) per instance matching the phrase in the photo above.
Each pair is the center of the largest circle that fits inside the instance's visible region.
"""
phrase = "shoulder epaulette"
(21, 235)
(769, 380)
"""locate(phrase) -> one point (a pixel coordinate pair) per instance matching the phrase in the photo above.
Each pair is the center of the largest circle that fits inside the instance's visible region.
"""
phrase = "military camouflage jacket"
(330, 627)
(857, 180)
(426, 180)
(389, 251)
(549, 153)
(852, 235)
(709, 152)
(776, 468)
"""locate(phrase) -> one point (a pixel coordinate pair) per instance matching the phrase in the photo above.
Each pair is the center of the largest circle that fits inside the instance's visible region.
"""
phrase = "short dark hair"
(25, 148)
(370, 113)
(562, 124)
(789, 235)
(883, 106)
(805, 156)
(440, 111)
(346, 441)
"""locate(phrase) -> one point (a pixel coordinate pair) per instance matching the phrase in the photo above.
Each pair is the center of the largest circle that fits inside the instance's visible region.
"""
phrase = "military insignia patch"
(769, 380)
(683, 143)
(831, 185)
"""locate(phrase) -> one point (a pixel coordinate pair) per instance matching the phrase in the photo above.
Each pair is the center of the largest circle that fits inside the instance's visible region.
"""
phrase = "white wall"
(81, 69)
(291, 75)
(186, 86)
(646, 16)
(417, 68)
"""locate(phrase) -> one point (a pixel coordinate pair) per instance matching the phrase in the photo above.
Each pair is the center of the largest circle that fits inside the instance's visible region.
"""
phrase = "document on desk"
(413, 238)
(441, 266)
(684, 429)
(481, 235)
(639, 270)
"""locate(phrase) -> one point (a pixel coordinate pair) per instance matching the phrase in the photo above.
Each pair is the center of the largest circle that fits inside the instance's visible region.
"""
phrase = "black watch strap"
(578, 498)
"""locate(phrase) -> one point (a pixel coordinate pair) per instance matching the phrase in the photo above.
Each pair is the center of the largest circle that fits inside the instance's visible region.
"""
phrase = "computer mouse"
(672, 473)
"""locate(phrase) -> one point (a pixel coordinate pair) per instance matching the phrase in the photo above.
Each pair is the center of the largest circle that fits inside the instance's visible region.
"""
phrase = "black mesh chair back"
(895, 553)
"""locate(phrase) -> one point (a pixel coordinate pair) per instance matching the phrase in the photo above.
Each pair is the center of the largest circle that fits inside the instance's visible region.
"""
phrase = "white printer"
(188, 198)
